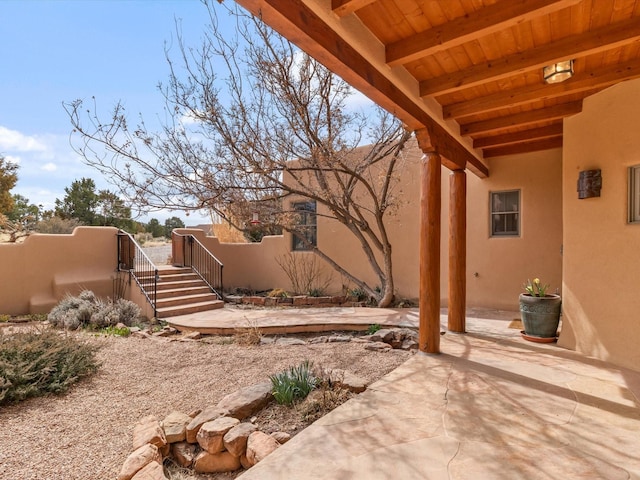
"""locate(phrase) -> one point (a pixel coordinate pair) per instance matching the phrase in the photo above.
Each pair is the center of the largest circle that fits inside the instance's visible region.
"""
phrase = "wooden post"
(457, 250)
(430, 200)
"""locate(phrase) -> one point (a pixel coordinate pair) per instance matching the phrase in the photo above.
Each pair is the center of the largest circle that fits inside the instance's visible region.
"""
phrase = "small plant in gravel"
(373, 328)
(5, 318)
(293, 384)
(87, 310)
(118, 332)
(40, 362)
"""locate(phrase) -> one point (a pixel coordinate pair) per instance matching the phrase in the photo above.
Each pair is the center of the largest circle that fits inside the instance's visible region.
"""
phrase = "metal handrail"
(202, 262)
(132, 259)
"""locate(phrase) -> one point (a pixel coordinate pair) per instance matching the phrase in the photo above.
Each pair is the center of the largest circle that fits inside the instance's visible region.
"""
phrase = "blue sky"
(61, 50)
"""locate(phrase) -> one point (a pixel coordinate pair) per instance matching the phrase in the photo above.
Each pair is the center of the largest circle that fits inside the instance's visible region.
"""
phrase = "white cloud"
(16, 141)
(49, 167)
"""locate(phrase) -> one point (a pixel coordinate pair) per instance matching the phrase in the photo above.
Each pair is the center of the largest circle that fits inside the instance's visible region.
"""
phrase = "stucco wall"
(601, 303)
(255, 265)
(502, 264)
(37, 273)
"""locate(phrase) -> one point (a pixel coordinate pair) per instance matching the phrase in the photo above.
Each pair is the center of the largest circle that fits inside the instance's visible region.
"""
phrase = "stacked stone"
(209, 441)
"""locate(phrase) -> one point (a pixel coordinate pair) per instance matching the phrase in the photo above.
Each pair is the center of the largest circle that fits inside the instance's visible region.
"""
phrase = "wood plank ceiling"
(480, 60)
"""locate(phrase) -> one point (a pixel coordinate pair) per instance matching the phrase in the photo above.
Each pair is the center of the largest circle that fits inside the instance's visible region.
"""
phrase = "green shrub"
(292, 384)
(37, 363)
(86, 310)
(373, 328)
(5, 318)
(119, 332)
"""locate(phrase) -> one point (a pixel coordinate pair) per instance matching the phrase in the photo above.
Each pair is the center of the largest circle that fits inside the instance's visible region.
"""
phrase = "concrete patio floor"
(490, 406)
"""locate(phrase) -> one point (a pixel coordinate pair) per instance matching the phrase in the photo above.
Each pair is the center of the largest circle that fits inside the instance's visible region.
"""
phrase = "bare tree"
(254, 122)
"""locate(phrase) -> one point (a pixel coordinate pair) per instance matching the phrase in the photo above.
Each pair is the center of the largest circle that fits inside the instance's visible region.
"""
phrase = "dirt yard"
(86, 433)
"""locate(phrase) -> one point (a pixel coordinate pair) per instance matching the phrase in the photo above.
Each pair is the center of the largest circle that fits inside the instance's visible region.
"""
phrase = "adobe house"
(522, 97)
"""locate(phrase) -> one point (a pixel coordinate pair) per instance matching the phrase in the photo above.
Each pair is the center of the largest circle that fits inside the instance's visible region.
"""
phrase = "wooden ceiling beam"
(491, 19)
(345, 7)
(303, 27)
(583, 82)
(571, 47)
(525, 118)
(549, 131)
(524, 147)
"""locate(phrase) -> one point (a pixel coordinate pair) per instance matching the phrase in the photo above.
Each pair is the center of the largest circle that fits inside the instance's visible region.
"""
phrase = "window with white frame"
(505, 213)
(305, 232)
(634, 194)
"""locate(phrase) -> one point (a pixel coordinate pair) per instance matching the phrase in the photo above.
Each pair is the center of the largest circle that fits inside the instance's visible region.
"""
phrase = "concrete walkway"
(491, 406)
(303, 320)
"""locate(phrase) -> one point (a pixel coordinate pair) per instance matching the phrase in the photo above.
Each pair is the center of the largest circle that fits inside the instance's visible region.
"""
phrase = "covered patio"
(492, 407)
(500, 79)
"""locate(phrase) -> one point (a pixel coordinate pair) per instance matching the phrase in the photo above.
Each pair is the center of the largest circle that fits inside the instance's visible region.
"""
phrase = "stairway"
(180, 291)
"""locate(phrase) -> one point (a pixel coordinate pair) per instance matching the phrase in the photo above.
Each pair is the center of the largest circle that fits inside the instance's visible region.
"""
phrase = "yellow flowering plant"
(535, 288)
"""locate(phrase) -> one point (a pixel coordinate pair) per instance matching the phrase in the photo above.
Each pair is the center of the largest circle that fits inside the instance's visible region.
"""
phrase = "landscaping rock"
(244, 462)
(347, 380)
(207, 415)
(267, 340)
(339, 338)
(149, 430)
(193, 336)
(409, 344)
(138, 460)
(281, 437)
(235, 440)
(175, 426)
(259, 445)
(152, 471)
(378, 346)
(206, 462)
(165, 332)
(140, 334)
(211, 433)
(247, 401)
(290, 341)
(321, 339)
(183, 453)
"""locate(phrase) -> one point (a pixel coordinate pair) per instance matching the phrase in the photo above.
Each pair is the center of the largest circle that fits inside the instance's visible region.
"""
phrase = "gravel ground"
(86, 433)
(159, 254)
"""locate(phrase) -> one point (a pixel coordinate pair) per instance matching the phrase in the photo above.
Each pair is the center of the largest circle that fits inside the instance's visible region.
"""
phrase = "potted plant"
(540, 312)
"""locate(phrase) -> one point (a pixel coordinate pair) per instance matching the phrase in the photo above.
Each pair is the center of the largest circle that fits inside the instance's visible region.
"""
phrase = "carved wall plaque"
(589, 184)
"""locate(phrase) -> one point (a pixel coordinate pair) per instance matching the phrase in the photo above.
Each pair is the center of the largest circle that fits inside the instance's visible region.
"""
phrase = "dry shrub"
(250, 335)
(326, 396)
(304, 272)
(86, 310)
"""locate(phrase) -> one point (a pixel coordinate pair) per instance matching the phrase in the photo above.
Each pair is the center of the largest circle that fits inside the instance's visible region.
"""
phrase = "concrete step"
(169, 269)
(200, 288)
(186, 299)
(177, 277)
(172, 285)
(166, 312)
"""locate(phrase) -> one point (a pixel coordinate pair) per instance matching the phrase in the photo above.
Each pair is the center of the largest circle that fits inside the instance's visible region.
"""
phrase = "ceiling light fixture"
(558, 72)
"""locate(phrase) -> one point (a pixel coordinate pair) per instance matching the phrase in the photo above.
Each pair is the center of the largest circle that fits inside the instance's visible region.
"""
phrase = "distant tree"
(90, 207)
(112, 211)
(154, 228)
(8, 179)
(170, 224)
(80, 202)
(24, 212)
